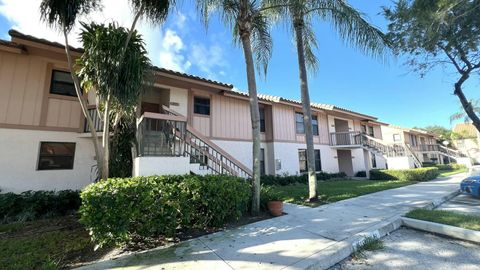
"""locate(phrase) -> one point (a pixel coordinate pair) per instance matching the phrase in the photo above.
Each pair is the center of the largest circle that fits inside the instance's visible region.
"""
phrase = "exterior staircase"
(169, 134)
(389, 150)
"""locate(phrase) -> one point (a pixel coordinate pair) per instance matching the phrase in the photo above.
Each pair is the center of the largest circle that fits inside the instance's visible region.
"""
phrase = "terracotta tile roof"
(466, 129)
(10, 44)
(277, 99)
(413, 130)
(14, 33)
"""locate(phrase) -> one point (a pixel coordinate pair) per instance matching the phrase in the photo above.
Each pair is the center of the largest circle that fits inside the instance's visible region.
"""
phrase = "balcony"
(346, 139)
(425, 148)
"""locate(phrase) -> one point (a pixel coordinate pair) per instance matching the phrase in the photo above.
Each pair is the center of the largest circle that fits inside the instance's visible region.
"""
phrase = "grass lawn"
(335, 190)
(444, 173)
(45, 244)
(446, 217)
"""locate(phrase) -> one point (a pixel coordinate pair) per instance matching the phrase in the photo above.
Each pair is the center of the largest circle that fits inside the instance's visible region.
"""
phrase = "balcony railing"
(425, 148)
(161, 135)
(97, 121)
(345, 138)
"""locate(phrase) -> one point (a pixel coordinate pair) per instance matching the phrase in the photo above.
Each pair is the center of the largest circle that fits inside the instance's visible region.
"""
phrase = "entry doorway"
(345, 161)
(342, 136)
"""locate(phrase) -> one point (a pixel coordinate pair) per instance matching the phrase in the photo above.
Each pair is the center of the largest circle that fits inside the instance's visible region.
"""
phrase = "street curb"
(341, 250)
(338, 252)
(451, 231)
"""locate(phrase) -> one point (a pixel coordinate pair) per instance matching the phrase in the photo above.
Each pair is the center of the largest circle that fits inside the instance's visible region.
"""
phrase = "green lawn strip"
(446, 217)
(335, 190)
(444, 173)
(42, 244)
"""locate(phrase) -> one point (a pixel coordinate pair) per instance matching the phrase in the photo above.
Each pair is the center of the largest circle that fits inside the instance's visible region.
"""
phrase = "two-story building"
(186, 124)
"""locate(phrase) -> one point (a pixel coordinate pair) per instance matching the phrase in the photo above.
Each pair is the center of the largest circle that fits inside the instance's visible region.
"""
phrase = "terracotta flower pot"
(275, 208)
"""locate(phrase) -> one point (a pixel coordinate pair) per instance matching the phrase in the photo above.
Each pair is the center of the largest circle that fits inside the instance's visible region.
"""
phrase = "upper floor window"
(62, 84)
(396, 137)
(302, 159)
(201, 105)
(371, 131)
(364, 129)
(262, 119)
(56, 156)
(300, 125)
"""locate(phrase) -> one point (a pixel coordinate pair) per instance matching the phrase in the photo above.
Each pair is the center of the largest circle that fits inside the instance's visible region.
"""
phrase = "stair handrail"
(416, 160)
(211, 144)
(389, 150)
(449, 151)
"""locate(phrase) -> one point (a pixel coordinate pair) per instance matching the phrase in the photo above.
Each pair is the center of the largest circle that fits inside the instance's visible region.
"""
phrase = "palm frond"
(155, 11)
(62, 15)
(351, 25)
(309, 47)
(262, 42)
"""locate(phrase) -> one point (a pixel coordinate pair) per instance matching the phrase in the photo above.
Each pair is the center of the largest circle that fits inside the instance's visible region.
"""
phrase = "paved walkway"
(305, 238)
(464, 203)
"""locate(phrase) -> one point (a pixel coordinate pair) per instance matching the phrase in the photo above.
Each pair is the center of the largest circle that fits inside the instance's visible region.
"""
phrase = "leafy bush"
(31, 205)
(284, 180)
(419, 174)
(361, 174)
(450, 167)
(118, 209)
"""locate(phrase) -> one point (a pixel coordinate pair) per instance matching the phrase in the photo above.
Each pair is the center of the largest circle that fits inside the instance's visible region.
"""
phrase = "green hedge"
(33, 205)
(419, 174)
(116, 210)
(284, 180)
(450, 167)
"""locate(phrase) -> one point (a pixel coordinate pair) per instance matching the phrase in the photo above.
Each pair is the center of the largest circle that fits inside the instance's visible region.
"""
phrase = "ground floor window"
(56, 156)
(302, 159)
(374, 160)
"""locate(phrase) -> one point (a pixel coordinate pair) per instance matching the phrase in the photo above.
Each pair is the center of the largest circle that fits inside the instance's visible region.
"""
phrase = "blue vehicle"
(471, 185)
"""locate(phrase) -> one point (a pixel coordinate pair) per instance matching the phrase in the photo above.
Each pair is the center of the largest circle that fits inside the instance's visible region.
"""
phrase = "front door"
(345, 161)
(341, 132)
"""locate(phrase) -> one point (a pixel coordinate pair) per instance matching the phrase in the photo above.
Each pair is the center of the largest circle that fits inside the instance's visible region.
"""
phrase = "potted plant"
(274, 201)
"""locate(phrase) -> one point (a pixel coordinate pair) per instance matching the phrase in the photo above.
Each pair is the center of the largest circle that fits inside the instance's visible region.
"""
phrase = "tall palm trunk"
(83, 105)
(255, 118)
(307, 111)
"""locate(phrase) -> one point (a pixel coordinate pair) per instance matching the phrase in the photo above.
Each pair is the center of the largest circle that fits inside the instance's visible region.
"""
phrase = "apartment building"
(424, 147)
(185, 124)
(468, 140)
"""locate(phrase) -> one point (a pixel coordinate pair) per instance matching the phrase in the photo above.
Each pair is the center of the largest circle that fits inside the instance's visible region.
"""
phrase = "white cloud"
(208, 59)
(165, 49)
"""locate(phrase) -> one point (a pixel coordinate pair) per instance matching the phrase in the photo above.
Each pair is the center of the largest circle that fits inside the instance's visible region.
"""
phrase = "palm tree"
(62, 15)
(114, 72)
(251, 29)
(352, 27)
(461, 114)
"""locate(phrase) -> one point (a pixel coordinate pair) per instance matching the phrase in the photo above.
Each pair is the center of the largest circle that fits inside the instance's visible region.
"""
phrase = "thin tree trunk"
(83, 105)
(106, 139)
(467, 106)
(255, 118)
(307, 112)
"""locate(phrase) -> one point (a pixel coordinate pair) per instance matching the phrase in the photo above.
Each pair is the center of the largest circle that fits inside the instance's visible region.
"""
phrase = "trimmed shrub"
(450, 167)
(31, 205)
(119, 209)
(419, 174)
(284, 180)
(361, 174)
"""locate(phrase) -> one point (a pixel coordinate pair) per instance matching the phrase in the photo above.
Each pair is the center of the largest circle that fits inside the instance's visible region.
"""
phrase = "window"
(300, 126)
(364, 129)
(371, 131)
(262, 161)
(56, 156)
(374, 160)
(262, 119)
(201, 105)
(413, 140)
(396, 137)
(302, 159)
(315, 125)
(62, 84)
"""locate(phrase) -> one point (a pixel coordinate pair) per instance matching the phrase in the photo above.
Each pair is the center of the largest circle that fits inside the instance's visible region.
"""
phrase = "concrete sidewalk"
(306, 238)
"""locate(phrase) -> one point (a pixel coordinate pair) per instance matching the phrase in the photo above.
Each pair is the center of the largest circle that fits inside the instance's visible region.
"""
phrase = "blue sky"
(346, 78)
